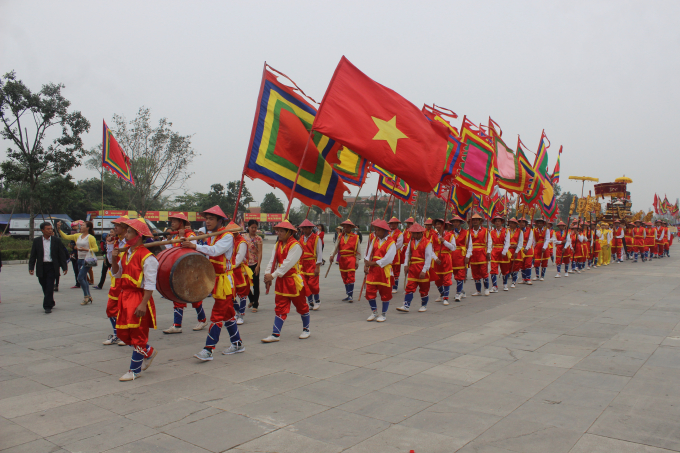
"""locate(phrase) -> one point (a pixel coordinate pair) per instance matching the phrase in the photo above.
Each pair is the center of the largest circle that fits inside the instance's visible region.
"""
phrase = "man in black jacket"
(49, 255)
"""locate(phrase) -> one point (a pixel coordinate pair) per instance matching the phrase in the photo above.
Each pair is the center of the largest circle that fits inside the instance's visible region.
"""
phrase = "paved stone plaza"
(589, 363)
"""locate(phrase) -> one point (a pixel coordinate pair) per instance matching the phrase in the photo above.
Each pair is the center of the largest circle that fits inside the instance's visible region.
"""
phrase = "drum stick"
(176, 241)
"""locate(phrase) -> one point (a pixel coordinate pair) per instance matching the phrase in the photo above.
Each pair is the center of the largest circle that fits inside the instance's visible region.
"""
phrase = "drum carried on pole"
(184, 275)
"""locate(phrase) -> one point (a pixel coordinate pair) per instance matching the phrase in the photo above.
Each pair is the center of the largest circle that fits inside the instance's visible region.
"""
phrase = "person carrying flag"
(542, 238)
(639, 236)
(289, 287)
(398, 238)
(310, 263)
(478, 254)
(515, 251)
(617, 242)
(528, 250)
(429, 231)
(563, 249)
(419, 256)
(461, 238)
(119, 229)
(219, 250)
(347, 249)
(443, 245)
(242, 274)
(136, 271)
(500, 259)
(182, 228)
(378, 268)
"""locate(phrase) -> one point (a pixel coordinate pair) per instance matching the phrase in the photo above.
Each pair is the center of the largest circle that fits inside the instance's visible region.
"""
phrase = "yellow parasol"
(625, 179)
(584, 179)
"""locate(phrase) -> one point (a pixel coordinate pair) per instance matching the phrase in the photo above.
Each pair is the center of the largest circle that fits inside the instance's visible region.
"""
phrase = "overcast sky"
(601, 77)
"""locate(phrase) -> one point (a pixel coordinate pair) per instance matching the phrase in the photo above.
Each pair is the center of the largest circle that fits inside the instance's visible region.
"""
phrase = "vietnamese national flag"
(383, 127)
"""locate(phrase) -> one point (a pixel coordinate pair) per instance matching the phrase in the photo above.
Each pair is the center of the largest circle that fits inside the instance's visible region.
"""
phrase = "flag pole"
(297, 175)
(101, 215)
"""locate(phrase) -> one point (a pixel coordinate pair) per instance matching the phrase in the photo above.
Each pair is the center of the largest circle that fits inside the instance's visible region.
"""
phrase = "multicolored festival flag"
(513, 171)
(352, 168)
(656, 205)
(383, 127)
(280, 133)
(477, 171)
(398, 189)
(556, 172)
(548, 203)
(114, 158)
(454, 154)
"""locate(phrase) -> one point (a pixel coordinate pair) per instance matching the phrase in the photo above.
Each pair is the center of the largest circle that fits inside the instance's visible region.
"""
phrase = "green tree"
(160, 158)
(226, 199)
(28, 159)
(271, 204)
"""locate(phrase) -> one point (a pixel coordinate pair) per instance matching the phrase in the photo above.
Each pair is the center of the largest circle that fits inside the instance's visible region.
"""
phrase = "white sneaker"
(578, 270)
(381, 318)
(239, 320)
(486, 292)
(121, 342)
(438, 299)
(535, 278)
(557, 276)
(464, 295)
(373, 317)
(457, 297)
(541, 279)
(445, 302)
(529, 283)
(476, 293)
(505, 288)
(173, 329)
(111, 340)
(305, 334)
(403, 309)
(422, 309)
(394, 291)
(512, 285)
(494, 289)
(147, 360)
(200, 325)
(566, 274)
(270, 339)
(204, 355)
(234, 349)
(129, 376)
(316, 306)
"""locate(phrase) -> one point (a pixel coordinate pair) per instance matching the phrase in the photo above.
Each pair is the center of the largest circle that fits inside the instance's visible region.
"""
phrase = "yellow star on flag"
(387, 130)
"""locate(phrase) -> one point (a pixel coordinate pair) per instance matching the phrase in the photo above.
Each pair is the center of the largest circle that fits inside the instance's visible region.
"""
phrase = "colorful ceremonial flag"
(352, 168)
(477, 171)
(656, 205)
(398, 189)
(454, 149)
(548, 202)
(114, 158)
(462, 200)
(378, 169)
(512, 170)
(556, 172)
(383, 127)
(531, 197)
(280, 133)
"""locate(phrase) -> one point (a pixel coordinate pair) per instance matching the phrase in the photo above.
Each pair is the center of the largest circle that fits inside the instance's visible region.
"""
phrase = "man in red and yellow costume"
(117, 242)
(378, 268)
(630, 240)
(650, 241)
(563, 249)
(349, 256)
(528, 249)
(219, 251)
(310, 263)
(419, 257)
(407, 238)
(500, 259)
(182, 228)
(542, 239)
(478, 254)
(429, 231)
(515, 251)
(398, 238)
(617, 242)
(243, 275)
(136, 271)
(443, 245)
(460, 237)
(289, 287)
(639, 236)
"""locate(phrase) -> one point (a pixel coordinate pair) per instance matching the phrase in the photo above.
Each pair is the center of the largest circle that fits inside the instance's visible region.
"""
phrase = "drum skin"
(184, 275)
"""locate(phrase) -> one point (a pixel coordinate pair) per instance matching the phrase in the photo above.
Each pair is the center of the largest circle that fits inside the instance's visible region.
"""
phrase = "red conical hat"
(476, 216)
(179, 216)
(498, 216)
(348, 222)
(540, 219)
(139, 226)
(286, 225)
(120, 219)
(415, 228)
(428, 221)
(523, 219)
(233, 227)
(307, 223)
(409, 220)
(561, 223)
(456, 217)
(513, 220)
(394, 220)
(215, 210)
(380, 223)
(440, 221)
(616, 221)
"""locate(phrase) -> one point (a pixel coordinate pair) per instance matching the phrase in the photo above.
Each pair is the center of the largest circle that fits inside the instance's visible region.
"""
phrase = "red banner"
(263, 217)
(611, 189)
(154, 216)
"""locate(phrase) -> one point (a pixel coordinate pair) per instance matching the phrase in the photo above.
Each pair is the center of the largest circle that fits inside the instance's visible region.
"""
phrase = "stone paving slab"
(585, 364)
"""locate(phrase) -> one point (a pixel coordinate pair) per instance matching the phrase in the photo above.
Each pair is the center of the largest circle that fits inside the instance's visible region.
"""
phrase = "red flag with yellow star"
(383, 127)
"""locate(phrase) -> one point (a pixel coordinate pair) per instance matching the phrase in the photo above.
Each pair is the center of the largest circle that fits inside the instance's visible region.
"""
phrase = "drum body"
(184, 275)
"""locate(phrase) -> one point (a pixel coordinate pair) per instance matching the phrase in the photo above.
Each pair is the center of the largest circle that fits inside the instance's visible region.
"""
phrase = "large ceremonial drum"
(184, 275)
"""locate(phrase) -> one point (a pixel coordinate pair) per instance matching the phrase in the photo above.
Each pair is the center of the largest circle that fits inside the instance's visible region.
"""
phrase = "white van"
(20, 227)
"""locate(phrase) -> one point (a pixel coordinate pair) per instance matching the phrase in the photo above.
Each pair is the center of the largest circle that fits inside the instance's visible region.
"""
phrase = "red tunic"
(377, 275)
(650, 240)
(131, 295)
(349, 243)
(290, 284)
(638, 236)
(308, 262)
(242, 274)
(497, 257)
(616, 242)
(398, 258)
(560, 252)
(540, 255)
(114, 290)
(417, 260)
(407, 239)
(480, 245)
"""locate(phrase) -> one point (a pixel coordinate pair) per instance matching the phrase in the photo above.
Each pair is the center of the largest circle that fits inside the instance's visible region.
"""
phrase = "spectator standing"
(86, 245)
(47, 256)
(254, 242)
(107, 239)
(73, 258)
